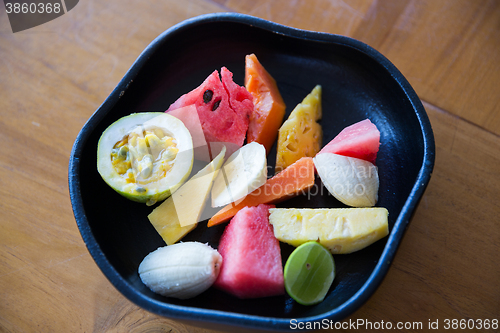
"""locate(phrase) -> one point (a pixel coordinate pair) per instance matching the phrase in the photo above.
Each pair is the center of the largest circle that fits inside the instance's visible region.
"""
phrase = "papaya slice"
(269, 107)
(296, 179)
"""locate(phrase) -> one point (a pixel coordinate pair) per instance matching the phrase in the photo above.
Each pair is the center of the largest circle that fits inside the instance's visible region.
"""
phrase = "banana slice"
(243, 172)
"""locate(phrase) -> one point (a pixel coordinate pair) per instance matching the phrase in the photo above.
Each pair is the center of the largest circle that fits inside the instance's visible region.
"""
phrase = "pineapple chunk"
(300, 135)
(341, 230)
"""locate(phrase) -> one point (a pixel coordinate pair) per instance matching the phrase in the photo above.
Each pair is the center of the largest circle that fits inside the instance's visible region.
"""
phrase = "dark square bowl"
(358, 83)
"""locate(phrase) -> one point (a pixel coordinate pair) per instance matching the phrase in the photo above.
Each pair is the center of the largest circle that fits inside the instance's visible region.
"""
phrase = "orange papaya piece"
(296, 179)
(269, 107)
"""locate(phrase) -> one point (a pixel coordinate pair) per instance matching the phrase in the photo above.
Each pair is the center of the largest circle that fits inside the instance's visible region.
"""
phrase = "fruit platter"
(246, 173)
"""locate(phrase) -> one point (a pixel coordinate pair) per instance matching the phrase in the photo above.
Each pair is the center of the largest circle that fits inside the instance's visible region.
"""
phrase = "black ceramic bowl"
(358, 83)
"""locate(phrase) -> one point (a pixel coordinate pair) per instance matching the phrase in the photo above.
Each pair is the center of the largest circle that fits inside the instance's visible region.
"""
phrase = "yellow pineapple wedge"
(300, 135)
(181, 212)
(341, 230)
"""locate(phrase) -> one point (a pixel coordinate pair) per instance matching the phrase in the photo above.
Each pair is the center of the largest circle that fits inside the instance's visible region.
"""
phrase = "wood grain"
(53, 77)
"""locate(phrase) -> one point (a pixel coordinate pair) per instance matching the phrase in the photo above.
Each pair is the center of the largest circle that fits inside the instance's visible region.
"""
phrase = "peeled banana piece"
(182, 270)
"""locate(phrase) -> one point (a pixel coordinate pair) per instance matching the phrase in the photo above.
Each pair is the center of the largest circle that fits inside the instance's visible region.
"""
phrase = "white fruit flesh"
(182, 270)
(341, 230)
(145, 156)
(243, 172)
(351, 180)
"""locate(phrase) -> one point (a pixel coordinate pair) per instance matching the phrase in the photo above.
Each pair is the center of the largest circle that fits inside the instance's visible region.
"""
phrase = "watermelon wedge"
(251, 256)
(360, 140)
(223, 107)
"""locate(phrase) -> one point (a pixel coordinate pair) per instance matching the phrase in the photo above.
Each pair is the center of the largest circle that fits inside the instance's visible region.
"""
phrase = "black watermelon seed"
(207, 96)
(216, 105)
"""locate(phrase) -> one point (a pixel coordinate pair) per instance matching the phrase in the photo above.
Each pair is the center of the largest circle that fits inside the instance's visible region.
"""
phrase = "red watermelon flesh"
(223, 107)
(360, 140)
(251, 256)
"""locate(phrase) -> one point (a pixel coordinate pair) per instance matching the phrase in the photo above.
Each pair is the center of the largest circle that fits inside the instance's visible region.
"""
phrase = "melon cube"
(251, 256)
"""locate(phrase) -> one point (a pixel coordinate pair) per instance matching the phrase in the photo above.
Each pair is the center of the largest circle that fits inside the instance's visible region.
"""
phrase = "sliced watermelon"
(251, 256)
(223, 107)
(360, 140)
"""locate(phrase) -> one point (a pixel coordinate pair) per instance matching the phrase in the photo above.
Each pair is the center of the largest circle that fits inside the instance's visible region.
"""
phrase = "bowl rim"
(237, 319)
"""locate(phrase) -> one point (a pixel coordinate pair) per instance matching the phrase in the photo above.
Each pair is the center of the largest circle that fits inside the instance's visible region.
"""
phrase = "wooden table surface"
(54, 76)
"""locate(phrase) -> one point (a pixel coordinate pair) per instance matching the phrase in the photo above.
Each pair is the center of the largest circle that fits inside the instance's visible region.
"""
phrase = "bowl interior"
(355, 87)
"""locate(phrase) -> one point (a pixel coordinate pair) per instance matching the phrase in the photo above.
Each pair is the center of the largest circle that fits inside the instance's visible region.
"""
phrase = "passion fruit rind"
(162, 177)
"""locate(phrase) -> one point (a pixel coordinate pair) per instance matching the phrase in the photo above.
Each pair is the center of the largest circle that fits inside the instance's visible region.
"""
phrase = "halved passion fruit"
(145, 156)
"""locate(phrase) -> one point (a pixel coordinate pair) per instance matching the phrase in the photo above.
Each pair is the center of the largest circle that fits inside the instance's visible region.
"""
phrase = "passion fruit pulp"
(145, 156)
